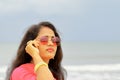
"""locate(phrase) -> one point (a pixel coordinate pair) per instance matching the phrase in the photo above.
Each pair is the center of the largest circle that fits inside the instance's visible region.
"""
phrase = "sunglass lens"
(44, 40)
(55, 40)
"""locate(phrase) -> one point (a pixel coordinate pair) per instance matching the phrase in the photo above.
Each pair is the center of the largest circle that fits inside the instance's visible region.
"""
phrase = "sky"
(76, 20)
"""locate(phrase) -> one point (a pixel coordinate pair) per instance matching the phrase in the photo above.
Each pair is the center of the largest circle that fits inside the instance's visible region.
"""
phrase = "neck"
(46, 61)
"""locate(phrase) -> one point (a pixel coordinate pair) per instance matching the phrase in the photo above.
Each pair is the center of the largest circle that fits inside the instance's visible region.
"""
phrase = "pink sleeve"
(22, 74)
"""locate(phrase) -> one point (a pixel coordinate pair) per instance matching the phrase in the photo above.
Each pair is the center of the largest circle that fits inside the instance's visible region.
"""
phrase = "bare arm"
(43, 72)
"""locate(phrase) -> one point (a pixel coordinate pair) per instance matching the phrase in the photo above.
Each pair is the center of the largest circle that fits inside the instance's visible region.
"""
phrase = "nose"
(50, 42)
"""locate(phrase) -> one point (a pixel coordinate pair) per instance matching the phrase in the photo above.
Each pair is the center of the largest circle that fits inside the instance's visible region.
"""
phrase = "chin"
(49, 57)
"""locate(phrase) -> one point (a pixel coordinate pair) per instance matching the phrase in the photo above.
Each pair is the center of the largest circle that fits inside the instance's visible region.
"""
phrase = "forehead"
(45, 31)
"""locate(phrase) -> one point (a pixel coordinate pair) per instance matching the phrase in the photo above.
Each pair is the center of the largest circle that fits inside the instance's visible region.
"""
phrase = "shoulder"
(28, 67)
(23, 71)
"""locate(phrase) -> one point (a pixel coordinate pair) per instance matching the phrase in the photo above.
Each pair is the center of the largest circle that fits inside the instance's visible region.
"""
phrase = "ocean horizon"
(74, 53)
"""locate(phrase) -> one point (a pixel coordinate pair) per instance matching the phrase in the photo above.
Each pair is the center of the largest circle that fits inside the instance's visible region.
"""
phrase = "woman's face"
(47, 48)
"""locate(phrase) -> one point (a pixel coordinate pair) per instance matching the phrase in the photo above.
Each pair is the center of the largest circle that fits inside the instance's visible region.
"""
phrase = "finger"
(36, 43)
(29, 42)
(27, 48)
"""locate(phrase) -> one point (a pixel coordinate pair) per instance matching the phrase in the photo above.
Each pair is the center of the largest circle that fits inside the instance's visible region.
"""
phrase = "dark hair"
(22, 57)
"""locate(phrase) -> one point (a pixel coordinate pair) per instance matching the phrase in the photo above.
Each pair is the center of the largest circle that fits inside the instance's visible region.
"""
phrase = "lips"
(50, 49)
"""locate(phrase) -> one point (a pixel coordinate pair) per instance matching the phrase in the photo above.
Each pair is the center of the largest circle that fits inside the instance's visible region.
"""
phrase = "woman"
(39, 55)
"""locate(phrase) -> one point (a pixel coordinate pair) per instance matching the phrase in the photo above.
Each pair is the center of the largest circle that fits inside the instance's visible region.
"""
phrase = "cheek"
(44, 43)
(42, 50)
(55, 44)
(55, 49)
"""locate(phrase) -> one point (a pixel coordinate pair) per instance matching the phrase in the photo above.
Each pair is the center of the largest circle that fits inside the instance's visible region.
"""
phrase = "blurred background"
(90, 30)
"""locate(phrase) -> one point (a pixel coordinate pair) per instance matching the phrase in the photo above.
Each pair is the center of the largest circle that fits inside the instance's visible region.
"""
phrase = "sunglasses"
(44, 40)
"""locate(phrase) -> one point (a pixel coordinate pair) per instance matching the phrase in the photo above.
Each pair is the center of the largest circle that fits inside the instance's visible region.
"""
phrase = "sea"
(82, 60)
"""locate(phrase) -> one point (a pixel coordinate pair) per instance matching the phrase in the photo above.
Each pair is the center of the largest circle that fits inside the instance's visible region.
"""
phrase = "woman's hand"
(32, 48)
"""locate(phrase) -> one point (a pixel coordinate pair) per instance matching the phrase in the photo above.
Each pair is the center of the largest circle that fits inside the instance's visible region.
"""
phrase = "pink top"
(24, 72)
